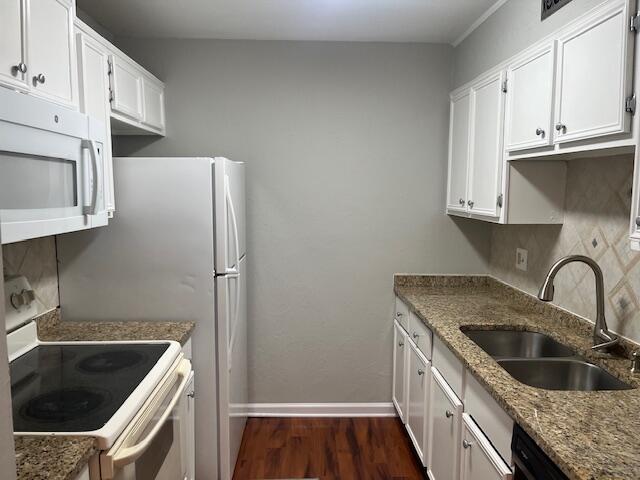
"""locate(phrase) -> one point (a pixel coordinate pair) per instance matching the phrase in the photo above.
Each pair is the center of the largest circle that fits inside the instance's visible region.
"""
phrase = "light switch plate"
(521, 259)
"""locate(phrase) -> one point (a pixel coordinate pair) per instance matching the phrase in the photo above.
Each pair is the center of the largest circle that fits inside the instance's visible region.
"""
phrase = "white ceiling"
(440, 21)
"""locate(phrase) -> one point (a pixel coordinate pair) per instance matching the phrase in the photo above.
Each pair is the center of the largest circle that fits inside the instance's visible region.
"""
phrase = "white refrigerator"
(176, 251)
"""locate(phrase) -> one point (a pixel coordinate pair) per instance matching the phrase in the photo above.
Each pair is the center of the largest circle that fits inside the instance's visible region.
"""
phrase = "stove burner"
(65, 404)
(108, 362)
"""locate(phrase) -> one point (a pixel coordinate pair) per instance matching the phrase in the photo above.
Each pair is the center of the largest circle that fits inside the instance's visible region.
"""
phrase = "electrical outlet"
(521, 259)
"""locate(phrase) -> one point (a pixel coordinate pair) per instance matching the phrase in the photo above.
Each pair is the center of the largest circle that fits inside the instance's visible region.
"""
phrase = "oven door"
(51, 169)
(155, 445)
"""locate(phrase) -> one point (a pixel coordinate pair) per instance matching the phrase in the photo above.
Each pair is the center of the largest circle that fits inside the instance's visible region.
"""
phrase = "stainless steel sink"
(562, 374)
(538, 360)
(511, 343)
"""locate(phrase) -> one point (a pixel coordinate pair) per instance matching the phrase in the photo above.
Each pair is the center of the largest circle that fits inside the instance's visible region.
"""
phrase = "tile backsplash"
(36, 260)
(596, 224)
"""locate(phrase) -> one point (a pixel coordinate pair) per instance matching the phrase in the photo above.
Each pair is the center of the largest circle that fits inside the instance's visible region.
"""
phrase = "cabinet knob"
(398, 314)
(415, 335)
(448, 413)
(561, 127)
(461, 201)
(191, 394)
(19, 68)
(401, 344)
(466, 443)
(470, 203)
(637, 221)
(420, 372)
(540, 132)
(40, 78)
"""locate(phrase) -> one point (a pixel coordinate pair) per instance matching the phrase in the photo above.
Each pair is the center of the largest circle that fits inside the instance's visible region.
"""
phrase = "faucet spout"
(602, 337)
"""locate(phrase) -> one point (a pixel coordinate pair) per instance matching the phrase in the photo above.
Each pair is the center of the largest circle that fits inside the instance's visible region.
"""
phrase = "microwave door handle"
(90, 209)
(130, 454)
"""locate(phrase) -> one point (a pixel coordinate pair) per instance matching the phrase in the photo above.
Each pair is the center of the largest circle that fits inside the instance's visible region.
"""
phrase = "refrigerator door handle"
(235, 271)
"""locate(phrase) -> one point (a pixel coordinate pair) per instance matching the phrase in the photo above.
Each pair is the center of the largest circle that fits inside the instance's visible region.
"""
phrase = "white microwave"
(51, 169)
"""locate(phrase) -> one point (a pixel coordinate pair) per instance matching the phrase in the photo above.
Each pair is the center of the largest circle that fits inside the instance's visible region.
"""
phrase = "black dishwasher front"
(531, 463)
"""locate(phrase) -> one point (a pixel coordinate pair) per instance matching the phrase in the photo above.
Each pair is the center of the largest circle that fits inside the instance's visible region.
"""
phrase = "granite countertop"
(590, 435)
(52, 329)
(62, 458)
(52, 458)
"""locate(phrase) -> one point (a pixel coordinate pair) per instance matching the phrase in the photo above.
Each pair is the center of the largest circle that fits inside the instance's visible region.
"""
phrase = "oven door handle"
(130, 454)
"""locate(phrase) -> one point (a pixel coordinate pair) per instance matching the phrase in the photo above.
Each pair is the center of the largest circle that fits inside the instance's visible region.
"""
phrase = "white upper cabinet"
(93, 73)
(529, 104)
(485, 170)
(137, 98)
(153, 101)
(594, 76)
(126, 88)
(50, 47)
(13, 68)
(460, 115)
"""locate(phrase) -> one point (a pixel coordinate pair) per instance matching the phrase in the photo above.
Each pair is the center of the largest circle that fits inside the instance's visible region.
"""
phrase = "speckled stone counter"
(52, 329)
(62, 458)
(52, 458)
(590, 435)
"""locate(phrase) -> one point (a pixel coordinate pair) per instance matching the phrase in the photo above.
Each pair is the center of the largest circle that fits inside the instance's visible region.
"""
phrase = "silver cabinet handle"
(19, 68)
(401, 344)
(40, 78)
(470, 203)
(448, 413)
(420, 372)
(561, 127)
(466, 443)
(540, 132)
(461, 201)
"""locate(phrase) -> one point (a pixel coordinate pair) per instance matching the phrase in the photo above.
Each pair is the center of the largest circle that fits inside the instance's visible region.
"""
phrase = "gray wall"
(512, 28)
(7, 452)
(346, 147)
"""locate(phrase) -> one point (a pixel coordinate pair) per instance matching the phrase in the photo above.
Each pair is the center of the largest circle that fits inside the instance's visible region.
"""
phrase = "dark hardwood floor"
(327, 448)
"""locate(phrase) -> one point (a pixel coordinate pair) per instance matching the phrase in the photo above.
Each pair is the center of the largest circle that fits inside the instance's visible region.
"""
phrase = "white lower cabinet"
(445, 423)
(480, 461)
(399, 394)
(418, 392)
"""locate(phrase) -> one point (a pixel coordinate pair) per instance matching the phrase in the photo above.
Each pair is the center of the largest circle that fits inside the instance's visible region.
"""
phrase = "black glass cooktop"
(76, 388)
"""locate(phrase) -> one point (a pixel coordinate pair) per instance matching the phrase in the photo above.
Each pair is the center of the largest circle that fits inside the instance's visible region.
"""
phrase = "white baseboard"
(321, 410)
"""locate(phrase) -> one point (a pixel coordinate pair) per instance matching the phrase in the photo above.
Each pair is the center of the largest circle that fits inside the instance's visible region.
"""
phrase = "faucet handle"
(635, 362)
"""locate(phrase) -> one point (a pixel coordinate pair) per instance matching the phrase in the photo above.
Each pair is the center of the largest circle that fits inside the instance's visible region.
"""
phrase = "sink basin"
(561, 374)
(511, 343)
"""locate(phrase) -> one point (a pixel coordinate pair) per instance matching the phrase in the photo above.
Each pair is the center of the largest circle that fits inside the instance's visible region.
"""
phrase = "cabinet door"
(459, 130)
(11, 29)
(400, 347)
(418, 390)
(153, 103)
(479, 459)
(594, 77)
(445, 422)
(485, 166)
(51, 49)
(126, 88)
(529, 116)
(93, 72)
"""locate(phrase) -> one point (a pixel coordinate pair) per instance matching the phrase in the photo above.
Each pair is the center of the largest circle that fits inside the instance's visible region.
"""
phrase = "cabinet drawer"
(489, 416)
(402, 314)
(420, 334)
(479, 459)
(449, 366)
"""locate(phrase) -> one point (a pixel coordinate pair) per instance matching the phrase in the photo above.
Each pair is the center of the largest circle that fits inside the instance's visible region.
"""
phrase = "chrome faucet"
(603, 339)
